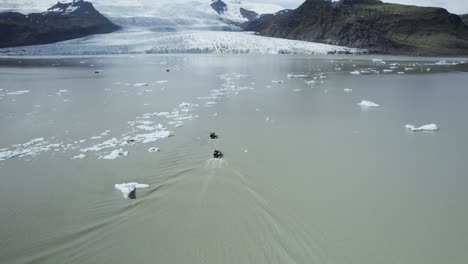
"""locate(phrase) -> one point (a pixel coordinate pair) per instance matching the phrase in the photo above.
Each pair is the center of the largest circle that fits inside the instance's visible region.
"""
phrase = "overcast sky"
(454, 6)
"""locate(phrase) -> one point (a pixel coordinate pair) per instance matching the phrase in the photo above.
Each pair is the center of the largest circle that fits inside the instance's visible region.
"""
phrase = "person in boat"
(217, 154)
(213, 135)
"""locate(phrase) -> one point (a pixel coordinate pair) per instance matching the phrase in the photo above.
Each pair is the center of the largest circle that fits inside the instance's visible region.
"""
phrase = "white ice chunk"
(140, 84)
(366, 103)
(153, 149)
(81, 156)
(127, 188)
(429, 127)
(297, 76)
(355, 72)
(348, 90)
(145, 127)
(18, 93)
(117, 153)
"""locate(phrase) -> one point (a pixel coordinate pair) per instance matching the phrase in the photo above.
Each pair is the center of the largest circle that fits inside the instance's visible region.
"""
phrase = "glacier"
(168, 26)
(146, 41)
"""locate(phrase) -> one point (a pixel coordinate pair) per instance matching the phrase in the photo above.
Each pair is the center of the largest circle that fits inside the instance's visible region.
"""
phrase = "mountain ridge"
(62, 21)
(370, 24)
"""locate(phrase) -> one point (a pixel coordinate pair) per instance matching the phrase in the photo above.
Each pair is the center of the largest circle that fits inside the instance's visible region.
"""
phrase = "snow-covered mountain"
(191, 14)
(170, 26)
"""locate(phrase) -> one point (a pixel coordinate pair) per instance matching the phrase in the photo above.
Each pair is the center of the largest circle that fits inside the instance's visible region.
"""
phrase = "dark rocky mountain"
(219, 6)
(464, 18)
(250, 15)
(63, 21)
(371, 24)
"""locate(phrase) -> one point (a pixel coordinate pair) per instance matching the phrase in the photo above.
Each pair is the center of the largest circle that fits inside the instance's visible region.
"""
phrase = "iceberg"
(365, 103)
(17, 93)
(116, 154)
(153, 149)
(129, 189)
(429, 127)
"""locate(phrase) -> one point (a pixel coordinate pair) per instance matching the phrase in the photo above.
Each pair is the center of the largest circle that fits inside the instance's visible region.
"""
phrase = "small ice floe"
(140, 84)
(408, 69)
(297, 76)
(153, 149)
(400, 72)
(129, 189)
(105, 133)
(347, 90)
(277, 81)
(429, 127)
(81, 156)
(210, 103)
(311, 82)
(297, 90)
(387, 71)
(355, 72)
(96, 137)
(60, 92)
(18, 92)
(187, 105)
(365, 103)
(117, 153)
(215, 114)
(163, 81)
(145, 127)
(246, 151)
(377, 60)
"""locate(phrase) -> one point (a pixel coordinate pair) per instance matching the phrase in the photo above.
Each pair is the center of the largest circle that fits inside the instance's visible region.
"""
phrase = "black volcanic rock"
(219, 6)
(464, 18)
(371, 24)
(63, 21)
(248, 14)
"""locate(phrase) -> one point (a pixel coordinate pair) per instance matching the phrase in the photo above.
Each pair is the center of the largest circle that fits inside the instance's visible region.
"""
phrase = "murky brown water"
(308, 176)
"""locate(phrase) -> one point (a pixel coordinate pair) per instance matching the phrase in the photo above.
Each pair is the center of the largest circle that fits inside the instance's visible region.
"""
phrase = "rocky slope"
(464, 18)
(371, 24)
(63, 21)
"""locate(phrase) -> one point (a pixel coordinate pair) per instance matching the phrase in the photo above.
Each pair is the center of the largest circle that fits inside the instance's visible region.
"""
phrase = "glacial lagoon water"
(308, 176)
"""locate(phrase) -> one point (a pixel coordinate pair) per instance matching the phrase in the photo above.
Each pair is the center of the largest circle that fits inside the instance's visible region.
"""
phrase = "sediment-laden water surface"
(319, 167)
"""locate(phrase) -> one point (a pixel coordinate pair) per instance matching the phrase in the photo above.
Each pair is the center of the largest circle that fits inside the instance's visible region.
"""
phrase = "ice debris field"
(151, 127)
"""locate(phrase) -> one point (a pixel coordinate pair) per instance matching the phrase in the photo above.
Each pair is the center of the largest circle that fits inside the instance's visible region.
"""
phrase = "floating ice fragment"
(81, 156)
(129, 189)
(277, 81)
(297, 76)
(145, 127)
(348, 90)
(117, 153)
(355, 72)
(153, 149)
(140, 84)
(365, 103)
(17, 93)
(429, 127)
